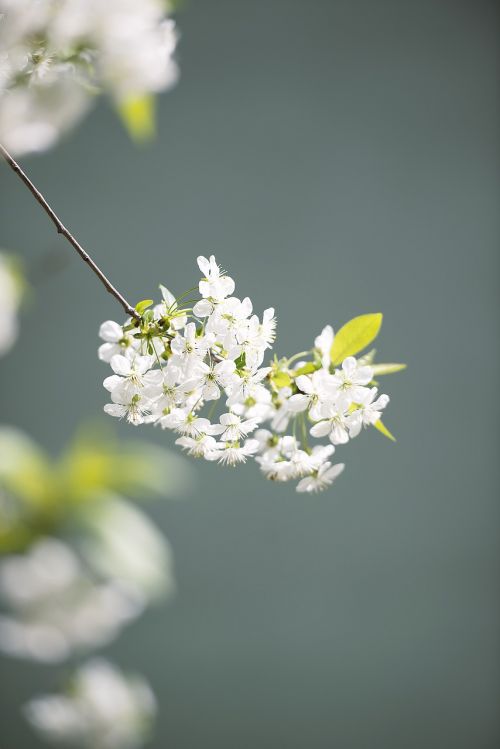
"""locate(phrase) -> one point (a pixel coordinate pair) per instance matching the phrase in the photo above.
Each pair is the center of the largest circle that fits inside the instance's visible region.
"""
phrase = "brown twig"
(61, 229)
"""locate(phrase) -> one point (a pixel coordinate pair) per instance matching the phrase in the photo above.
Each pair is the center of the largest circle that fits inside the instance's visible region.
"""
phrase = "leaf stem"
(297, 356)
(61, 229)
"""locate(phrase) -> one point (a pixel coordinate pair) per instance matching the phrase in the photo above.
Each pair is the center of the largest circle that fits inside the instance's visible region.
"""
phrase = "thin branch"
(61, 229)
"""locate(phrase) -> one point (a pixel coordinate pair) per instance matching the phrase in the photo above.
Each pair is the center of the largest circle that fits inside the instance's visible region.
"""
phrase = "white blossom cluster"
(10, 298)
(102, 709)
(198, 371)
(56, 55)
(62, 601)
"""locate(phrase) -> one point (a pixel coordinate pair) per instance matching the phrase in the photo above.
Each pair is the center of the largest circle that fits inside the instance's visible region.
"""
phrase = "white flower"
(60, 602)
(249, 385)
(323, 344)
(205, 307)
(231, 453)
(215, 284)
(117, 342)
(190, 349)
(10, 297)
(320, 479)
(232, 428)
(209, 377)
(229, 320)
(318, 388)
(319, 454)
(131, 376)
(166, 394)
(103, 709)
(265, 438)
(336, 425)
(352, 378)
(127, 404)
(282, 413)
(186, 422)
(199, 446)
(368, 411)
(274, 466)
(307, 462)
(255, 338)
(124, 545)
(55, 54)
(268, 327)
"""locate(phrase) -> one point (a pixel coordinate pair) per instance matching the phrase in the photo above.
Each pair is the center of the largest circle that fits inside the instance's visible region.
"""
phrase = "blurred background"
(338, 158)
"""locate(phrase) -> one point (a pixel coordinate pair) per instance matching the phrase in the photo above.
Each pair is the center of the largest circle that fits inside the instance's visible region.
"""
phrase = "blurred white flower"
(126, 546)
(55, 55)
(60, 601)
(10, 297)
(102, 709)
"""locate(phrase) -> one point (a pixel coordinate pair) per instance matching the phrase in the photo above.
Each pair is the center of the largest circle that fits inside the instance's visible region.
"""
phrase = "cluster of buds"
(181, 358)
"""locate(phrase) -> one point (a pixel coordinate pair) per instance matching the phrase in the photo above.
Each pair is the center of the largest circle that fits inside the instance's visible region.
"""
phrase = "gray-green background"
(339, 158)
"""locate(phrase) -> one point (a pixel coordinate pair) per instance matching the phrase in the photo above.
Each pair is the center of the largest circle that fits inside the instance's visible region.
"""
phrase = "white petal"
(110, 331)
(203, 265)
(304, 383)
(349, 365)
(106, 351)
(321, 429)
(203, 308)
(306, 484)
(333, 472)
(364, 375)
(115, 409)
(120, 365)
(112, 382)
(298, 403)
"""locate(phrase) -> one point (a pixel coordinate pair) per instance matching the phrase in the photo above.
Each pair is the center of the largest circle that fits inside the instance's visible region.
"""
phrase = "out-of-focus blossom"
(10, 298)
(59, 601)
(101, 709)
(56, 55)
(79, 561)
(39, 495)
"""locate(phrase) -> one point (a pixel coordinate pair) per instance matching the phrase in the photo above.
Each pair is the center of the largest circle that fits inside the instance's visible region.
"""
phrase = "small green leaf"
(384, 369)
(281, 379)
(383, 430)
(241, 361)
(138, 115)
(368, 358)
(306, 369)
(141, 307)
(355, 336)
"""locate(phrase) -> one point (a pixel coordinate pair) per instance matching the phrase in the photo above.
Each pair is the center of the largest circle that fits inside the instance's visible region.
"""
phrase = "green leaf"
(138, 115)
(384, 369)
(141, 307)
(281, 379)
(368, 358)
(383, 430)
(241, 361)
(306, 369)
(355, 336)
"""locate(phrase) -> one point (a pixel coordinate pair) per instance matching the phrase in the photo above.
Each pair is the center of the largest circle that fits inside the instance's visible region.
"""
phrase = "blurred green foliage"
(41, 495)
